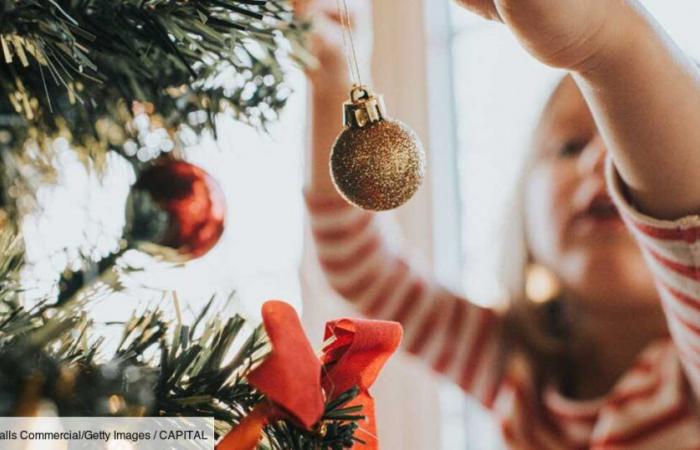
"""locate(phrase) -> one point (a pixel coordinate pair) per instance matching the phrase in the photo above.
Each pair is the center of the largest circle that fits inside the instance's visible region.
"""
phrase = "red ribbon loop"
(291, 375)
(358, 353)
(355, 358)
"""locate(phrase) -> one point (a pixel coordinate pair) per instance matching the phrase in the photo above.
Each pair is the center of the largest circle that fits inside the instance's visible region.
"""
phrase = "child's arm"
(454, 337)
(451, 335)
(644, 92)
(645, 96)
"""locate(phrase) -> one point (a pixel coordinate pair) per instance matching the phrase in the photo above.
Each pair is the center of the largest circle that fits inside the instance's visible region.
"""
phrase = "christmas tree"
(102, 78)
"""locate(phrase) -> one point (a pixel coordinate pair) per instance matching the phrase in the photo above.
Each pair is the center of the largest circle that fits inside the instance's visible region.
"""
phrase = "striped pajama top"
(650, 407)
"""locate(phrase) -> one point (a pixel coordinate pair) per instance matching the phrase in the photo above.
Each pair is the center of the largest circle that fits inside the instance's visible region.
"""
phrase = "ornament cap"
(363, 108)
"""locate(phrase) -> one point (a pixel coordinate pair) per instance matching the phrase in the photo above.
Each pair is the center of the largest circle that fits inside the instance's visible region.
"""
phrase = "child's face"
(572, 226)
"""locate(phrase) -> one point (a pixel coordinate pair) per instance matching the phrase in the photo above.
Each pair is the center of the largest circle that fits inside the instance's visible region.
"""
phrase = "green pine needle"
(74, 67)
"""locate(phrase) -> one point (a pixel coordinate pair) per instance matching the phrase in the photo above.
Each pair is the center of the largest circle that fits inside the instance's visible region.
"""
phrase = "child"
(614, 362)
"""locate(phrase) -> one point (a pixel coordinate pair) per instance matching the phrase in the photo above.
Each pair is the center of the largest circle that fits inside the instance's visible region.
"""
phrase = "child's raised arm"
(456, 338)
(643, 91)
(645, 97)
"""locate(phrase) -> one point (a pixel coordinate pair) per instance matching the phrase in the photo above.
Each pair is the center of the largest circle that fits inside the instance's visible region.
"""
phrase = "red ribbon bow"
(293, 381)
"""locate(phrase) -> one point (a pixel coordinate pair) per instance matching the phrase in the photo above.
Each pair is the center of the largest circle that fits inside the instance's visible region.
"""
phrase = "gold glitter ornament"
(376, 163)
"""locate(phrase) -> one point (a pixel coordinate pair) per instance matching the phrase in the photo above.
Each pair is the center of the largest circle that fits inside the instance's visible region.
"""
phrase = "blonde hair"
(531, 327)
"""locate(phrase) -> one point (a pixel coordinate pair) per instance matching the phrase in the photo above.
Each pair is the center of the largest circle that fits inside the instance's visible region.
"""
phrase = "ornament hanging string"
(349, 42)
(376, 163)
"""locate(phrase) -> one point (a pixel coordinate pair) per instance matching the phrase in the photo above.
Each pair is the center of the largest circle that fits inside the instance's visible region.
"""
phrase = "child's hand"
(330, 80)
(643, 91)
(569, 34)
(327, 41)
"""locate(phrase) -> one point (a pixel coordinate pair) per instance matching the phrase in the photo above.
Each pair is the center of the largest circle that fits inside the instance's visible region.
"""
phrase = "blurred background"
(472, 95)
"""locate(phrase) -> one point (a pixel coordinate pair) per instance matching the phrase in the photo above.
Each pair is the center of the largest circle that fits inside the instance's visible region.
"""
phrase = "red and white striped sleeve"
(672, 252)
(456, 338)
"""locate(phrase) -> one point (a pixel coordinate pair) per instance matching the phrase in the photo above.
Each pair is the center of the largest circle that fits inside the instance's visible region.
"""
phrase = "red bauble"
(193, 202)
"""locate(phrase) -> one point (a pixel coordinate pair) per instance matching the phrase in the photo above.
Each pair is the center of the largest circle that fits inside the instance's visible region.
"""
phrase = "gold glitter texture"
(379, 166)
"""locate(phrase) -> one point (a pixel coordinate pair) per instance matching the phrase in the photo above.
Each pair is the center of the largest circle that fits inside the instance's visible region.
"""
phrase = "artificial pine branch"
(73, 67)
(336, 430)
(51, 355)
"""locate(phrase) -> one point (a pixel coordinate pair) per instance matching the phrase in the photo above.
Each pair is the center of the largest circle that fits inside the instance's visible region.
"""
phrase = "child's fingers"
(329, 9)
(560, 33)
(300, 6)
(484, 8)
(326, 44)
(331, 14)
(316, 7)
(326, 33)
